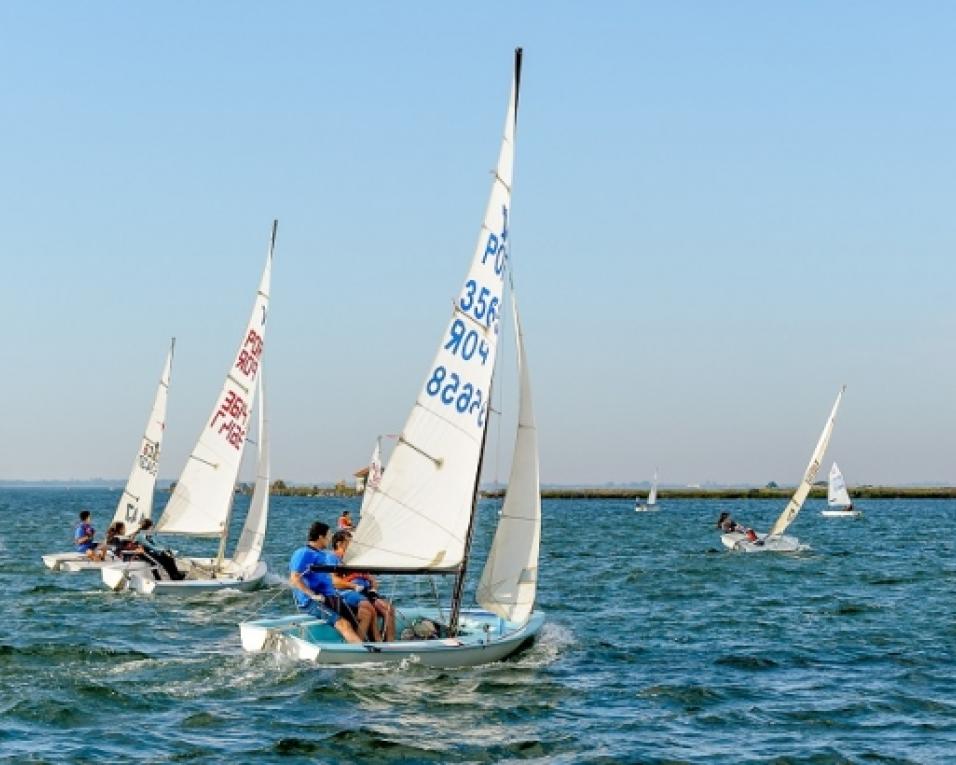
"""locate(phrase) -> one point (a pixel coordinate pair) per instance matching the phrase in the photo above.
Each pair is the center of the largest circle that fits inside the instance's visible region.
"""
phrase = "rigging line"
(439, 417)
(441, 615)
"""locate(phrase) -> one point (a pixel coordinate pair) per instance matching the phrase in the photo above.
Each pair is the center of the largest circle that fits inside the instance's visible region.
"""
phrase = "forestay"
(249, 547)
(837, 494)
(509, 580)
(800, 495)
(202, 499)
(419, 517)
(136, 502)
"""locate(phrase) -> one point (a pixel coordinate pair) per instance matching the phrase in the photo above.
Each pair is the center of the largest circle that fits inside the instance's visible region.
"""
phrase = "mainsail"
(837, 494)
(419, 518)
(136, 502)
(800, 495)
(249, 547)
(652, 496)
(509, 580)
(202, 499)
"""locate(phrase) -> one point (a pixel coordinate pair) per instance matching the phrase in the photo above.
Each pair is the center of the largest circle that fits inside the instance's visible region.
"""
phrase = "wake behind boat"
(136, 502)
(775, 540)
(201, 503)
(419, 521)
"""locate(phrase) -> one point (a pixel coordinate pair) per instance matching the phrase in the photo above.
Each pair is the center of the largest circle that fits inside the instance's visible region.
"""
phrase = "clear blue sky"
(722, 212)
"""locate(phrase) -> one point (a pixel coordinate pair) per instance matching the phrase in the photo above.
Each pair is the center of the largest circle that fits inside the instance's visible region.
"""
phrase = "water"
(659, 647)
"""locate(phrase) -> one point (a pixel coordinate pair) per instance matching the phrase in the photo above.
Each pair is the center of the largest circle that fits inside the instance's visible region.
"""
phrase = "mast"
(463, 566)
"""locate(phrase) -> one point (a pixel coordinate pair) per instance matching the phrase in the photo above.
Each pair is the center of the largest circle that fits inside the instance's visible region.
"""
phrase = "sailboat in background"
(421, 519)
(838, 498)
(201, 503)
(775, 540)
(136, 501)
(374, 477)
(651, 503)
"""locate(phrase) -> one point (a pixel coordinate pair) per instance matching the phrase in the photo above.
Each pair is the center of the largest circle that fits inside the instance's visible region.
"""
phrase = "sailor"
(727, 524)
(312, 590)
(358, 590)
(83, 536)
(345, 521)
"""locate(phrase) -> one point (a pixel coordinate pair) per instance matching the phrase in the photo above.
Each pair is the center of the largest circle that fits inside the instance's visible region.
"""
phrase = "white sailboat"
(651, 503)
(421, 518)
(374, 477)
(776, 540)
(201, 503)
(839, 504)
(136, 501)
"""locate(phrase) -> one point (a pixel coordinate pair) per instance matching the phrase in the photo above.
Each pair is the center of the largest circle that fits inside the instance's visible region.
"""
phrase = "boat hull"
(841, 513)
(739, 543)
(646, 508)
(57, 561)
(138, 576)
(305, 638)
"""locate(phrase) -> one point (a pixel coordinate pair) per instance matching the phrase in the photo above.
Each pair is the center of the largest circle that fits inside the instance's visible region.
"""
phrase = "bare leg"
(365, 618)
(384, 609)
(346, 631)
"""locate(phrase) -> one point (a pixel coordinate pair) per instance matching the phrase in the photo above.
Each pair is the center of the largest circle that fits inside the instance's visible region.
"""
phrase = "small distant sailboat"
(651, 503)
(201, 503)
(421, 519)
(838, 498)
(775, 540)
(136, 501)
(374, 477)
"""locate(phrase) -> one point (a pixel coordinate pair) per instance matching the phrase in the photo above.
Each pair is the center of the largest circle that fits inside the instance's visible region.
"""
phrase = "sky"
(721, 213)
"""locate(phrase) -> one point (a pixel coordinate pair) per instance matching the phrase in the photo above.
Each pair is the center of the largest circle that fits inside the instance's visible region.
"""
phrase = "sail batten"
(201, 502)
(430, 510)
(800, 495)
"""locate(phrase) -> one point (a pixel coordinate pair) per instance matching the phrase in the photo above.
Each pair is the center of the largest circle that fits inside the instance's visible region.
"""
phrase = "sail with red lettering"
(202, 500)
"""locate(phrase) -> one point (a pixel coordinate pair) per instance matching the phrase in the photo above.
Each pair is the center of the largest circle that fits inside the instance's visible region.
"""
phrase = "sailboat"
(838, 498)
(201, 503)
(420, 521)
(776, 540)
(651, 503)
(136, 501)
(374, 477)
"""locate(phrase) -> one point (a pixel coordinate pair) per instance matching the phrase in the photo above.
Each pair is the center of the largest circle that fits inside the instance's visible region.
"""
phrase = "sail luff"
(800, 495)
(202, 499)
(136, 501)
(249, 547)
(508, 583)
(419, 517)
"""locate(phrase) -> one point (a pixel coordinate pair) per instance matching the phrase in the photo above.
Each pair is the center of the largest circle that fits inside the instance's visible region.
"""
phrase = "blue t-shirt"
(84, 530)
(320, 582)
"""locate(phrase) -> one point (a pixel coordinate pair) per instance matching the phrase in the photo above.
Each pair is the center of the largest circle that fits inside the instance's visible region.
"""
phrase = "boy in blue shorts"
(355, 589)
(83, 535)
(313, 590)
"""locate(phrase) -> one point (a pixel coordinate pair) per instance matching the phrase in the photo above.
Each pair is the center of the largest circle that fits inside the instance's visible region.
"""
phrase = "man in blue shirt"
(313, 590)
(83, 535)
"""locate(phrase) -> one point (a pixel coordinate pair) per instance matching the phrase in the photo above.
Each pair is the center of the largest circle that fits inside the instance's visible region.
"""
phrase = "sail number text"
(234, 413)
(450, 390)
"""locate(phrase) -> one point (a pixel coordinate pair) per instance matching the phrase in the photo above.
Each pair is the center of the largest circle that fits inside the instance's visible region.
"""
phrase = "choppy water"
(659, 648)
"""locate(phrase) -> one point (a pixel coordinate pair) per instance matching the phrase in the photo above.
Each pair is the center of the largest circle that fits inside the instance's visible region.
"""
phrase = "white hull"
(306, 639)
(646, 508)
(56, 561)
(841, 513)
(783, 543)
(200, 577)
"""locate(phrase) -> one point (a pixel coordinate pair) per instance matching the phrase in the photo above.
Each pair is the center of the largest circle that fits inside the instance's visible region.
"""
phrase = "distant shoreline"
(818, 492)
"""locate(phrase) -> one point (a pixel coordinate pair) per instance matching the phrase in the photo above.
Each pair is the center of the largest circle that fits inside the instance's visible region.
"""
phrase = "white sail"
(136, 502)
(249, 547)
(837, 494)
(800, 495)
(652, 496)
(202, 499)
(419, 517)
(509, 580)
(374, 478)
